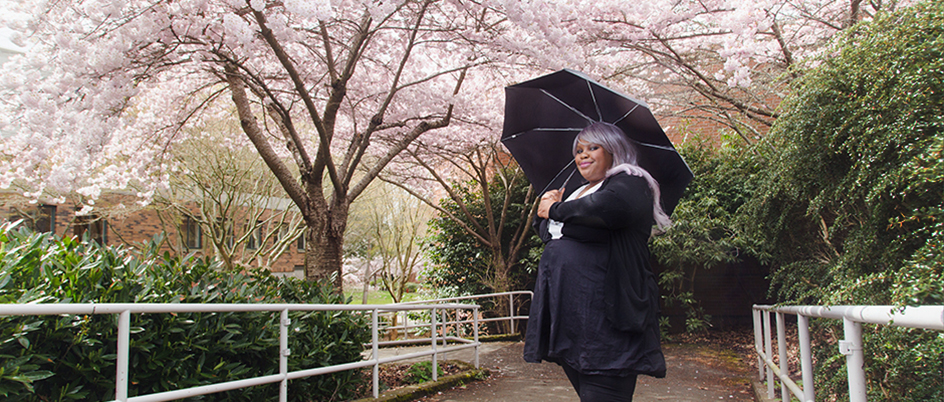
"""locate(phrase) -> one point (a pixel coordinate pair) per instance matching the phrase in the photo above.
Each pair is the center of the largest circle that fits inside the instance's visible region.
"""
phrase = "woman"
(595, 306)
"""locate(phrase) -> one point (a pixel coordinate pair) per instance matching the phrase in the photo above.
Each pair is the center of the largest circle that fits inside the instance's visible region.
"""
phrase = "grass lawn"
(376, 296)
(373, 297)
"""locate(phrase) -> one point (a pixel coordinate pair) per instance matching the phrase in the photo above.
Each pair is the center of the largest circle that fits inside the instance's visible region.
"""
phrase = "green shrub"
(850, 197)
(72, 357)
(704, 235)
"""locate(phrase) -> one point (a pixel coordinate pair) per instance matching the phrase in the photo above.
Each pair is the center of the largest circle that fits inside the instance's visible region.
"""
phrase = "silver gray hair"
(614, 141)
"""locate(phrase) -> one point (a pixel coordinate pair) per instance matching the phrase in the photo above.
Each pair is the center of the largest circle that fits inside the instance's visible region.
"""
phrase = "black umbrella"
(544, 115)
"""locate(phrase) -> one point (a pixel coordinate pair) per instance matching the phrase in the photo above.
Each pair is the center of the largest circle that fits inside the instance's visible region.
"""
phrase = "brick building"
(118, 220)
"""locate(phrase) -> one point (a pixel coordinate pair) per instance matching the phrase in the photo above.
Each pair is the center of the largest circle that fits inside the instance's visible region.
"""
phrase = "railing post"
(373, 339)
(782, 349)
(284, 352)
(444, 322)
(475, 322)
(124, 346)
(855, 359)
(806, 357)
(435, 366)
(511, 314)
(758, 345)
(406, 323)
(768, 351)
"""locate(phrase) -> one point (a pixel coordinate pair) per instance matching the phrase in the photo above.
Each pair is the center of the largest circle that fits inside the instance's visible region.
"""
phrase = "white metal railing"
(512, 318)
(124, 311)
(924, 317)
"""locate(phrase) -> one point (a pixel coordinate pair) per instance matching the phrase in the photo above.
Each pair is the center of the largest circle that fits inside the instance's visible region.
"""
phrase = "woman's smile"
(592, 161)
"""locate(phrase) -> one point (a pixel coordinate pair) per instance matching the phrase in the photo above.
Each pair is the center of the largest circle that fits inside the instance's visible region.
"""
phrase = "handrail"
(512, 318)
(124, 311)
(456, 298)
(924, 317)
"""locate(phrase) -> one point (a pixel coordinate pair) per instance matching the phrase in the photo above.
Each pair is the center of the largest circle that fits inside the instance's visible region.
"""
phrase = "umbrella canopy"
(544, 115)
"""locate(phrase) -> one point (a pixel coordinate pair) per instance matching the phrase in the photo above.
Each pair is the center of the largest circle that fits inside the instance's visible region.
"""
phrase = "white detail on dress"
(555, 227)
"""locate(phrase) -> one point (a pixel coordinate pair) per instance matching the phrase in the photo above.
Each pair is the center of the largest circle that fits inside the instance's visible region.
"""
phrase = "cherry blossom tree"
(729, 62)
(326, 93)
(329, 93)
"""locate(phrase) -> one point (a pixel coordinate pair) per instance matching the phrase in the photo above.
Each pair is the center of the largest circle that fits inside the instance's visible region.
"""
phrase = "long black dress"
(595, 305)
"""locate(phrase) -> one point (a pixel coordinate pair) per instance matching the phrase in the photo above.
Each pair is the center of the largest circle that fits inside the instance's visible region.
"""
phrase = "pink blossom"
(108, 90)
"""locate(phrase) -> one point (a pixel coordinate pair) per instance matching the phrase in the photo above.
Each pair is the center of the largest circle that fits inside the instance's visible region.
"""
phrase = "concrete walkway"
(695, 374)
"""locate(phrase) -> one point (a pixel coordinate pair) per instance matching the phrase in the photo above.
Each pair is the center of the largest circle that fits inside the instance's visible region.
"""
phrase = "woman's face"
(592, 161)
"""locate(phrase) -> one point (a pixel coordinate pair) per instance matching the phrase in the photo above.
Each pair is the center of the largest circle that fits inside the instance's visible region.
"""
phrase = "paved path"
(695, 374)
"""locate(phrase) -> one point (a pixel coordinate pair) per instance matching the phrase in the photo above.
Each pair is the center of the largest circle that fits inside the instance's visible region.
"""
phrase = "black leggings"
(601, 388)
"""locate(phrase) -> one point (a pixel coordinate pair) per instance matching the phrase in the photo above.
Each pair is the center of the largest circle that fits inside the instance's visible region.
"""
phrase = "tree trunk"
(324, 245)
(366, 279)
(501, 282)
(332, 258)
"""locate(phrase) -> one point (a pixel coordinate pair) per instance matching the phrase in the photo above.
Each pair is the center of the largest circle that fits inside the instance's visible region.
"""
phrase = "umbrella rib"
(558, 175)
(627, 114)
(511, 137)
(566, 105)
(662, 147)
(595, 104)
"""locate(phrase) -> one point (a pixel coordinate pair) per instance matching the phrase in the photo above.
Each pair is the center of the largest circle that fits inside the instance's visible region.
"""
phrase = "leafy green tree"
(705, 234)
(485, 244)
(849, 199)
(852, 192)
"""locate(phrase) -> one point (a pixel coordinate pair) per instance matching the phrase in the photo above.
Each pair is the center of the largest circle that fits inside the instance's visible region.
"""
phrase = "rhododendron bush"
(330, 93)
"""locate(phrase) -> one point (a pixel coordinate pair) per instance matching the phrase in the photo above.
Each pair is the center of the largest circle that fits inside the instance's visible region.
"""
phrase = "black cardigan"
(619, 212)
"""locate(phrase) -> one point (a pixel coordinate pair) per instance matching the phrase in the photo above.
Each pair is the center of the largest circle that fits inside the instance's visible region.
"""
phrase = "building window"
(45, 220)
(92, 227)
(40, 220)
(191, 234)
(256, 237)
(301, 241)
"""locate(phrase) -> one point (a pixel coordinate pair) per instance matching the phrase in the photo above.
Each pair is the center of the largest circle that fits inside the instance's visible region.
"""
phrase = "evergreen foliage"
(850, 202)
(704, 232)
(462, 264)
(72, 357)
(853, 192)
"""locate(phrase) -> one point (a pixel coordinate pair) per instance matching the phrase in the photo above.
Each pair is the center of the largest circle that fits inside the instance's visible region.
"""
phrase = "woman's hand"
(548, 199)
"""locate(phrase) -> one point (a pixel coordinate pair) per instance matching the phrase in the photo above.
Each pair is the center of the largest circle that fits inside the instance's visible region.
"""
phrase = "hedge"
(72, 357)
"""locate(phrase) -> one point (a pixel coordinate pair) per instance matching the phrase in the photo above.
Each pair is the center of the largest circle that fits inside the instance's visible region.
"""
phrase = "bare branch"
(324, 156)
(250, 126)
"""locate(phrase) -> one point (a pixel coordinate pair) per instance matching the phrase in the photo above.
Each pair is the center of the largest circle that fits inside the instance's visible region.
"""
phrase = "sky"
(6, 44)
(7, 10)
